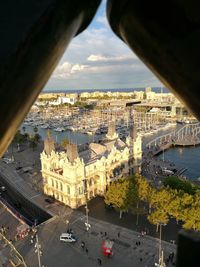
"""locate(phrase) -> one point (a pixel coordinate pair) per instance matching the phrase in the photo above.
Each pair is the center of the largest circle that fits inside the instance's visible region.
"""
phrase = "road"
(57, 254)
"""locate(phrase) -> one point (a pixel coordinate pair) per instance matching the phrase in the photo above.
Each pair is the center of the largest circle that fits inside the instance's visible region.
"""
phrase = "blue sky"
(97, 59)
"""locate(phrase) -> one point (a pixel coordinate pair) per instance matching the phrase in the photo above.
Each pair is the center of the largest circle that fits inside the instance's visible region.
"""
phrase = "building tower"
(111, 135)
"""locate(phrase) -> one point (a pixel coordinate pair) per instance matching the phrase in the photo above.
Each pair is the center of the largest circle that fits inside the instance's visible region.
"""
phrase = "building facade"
(81, 173)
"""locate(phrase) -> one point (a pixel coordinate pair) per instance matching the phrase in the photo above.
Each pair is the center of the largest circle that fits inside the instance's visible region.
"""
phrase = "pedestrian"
(118, 234)
(139, 243)
(82, 244)
(99, 261)
(136, 243)
(141, 259)
(105, 234)
(86, 250)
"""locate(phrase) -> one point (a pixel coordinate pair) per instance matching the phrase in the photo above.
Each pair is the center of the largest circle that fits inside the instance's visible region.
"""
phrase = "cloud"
(65, 70)
(105, 58)
(96, 58)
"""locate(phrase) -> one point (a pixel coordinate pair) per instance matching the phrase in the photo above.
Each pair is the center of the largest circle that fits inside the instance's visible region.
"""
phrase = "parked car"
(18, 168)
(50, 200)
(65, 237)
(3, 188)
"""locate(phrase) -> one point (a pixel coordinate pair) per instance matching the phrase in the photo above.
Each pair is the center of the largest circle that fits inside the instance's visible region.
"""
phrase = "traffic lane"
(8, 220)
(54, 252)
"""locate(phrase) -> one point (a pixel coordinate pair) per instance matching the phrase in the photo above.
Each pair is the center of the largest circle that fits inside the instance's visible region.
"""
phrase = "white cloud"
(110, 58)
(65, 70)
(78, 67)
(98, 59)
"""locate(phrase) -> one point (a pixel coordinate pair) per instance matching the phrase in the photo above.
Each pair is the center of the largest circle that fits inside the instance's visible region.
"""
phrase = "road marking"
(35, 196)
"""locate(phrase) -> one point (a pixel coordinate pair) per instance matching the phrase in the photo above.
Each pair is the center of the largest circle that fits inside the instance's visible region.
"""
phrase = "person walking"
(118, 234)
(82, 244)
(99, 261)
(86, 250)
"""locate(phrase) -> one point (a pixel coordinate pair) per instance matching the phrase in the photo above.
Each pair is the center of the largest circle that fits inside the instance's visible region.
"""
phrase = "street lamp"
(86, 206)
(161, 262)
(163, 155)
(38, 250)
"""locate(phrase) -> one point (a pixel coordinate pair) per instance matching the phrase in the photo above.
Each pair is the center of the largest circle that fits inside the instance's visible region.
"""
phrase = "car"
(8, 160)
(18, 168)
(65, 237)
(50, 200)
(3, 188)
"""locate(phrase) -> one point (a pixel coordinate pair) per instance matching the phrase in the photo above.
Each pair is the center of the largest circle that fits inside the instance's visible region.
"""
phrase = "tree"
(160, 201)
(37, 137)
(158, 217)
(192, 215)
(64, 143)
(32, 143)
(121, 195)
(176, 183)
(35, 129)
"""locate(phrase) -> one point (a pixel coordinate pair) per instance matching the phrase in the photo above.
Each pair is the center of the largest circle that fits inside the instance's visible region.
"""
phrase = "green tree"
(32, 143)
(35, 129)
(191, 216)
(64, 143)
(160, 201)
(121, 195)
(145, 190)
(158, 217)
(176, 183)
(37, 138)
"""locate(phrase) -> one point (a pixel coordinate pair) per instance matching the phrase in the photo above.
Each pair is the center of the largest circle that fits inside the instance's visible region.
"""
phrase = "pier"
(188, 135)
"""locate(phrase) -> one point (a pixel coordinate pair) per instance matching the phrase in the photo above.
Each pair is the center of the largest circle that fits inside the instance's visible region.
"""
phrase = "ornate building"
(83, 172)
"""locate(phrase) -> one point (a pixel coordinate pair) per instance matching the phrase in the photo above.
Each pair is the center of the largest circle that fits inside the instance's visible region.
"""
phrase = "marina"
(180, 156)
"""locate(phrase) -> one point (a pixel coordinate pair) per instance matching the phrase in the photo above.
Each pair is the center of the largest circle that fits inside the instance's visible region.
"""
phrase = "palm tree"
(64, 143)
(35, 129)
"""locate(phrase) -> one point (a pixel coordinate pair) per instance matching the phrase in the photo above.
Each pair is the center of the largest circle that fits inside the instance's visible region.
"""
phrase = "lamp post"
(38, 251)
(161, 262)
(86, 205)
(163, 155)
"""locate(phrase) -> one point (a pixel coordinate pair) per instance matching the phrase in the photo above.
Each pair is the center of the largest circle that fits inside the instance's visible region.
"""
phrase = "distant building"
(83, 172)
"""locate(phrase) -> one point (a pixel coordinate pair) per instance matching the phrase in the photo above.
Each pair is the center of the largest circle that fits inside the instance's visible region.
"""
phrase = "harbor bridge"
(188, 135)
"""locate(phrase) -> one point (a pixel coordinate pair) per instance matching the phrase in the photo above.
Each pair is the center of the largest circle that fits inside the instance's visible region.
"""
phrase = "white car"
(65, 237)
(3, 188)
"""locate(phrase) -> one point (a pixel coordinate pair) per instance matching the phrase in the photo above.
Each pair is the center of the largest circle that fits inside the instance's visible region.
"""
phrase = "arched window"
(52, 182)
(56, 184)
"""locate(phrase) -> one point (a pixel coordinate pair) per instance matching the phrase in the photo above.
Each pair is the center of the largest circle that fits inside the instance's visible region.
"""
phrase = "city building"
(82, 172)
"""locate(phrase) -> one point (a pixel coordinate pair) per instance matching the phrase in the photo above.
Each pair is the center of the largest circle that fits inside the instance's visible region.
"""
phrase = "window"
(61, 186)
(80, 190)
(68, 189)
(52, 182)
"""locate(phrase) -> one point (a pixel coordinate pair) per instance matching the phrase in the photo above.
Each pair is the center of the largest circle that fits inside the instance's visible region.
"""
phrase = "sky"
(98, 59)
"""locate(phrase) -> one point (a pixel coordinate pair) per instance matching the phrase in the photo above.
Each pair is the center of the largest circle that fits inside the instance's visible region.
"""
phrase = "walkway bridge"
(188, 135)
